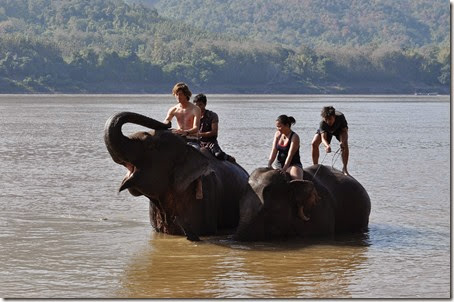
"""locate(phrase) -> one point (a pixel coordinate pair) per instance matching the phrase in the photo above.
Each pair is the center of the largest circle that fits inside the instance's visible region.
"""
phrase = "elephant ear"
(192, 166)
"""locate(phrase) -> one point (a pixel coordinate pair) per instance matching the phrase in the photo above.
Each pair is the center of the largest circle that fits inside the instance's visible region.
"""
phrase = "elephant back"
(349, 199)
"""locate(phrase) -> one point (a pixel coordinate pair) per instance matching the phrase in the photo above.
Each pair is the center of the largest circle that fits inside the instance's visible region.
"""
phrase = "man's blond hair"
(183, 88)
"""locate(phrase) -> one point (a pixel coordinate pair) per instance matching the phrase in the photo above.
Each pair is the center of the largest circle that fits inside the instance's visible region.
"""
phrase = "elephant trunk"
(302, 215)
(122, 149)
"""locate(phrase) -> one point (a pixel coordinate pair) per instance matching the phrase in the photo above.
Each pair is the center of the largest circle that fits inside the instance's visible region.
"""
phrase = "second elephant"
(275, 207)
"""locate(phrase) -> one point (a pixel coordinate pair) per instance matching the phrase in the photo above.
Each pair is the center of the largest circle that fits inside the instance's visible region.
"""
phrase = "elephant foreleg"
(190, 235)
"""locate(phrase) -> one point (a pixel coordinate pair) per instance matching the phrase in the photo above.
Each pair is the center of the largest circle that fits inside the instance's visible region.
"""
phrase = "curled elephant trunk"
(302, 215)
(120, 147)
(305, 196)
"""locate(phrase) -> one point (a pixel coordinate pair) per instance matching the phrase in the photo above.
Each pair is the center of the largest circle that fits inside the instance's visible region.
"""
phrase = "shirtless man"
(188, 119)
(187, 114)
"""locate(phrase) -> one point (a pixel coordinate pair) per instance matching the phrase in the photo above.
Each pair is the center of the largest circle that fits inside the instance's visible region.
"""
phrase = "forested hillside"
(113, 46)
(318, 23)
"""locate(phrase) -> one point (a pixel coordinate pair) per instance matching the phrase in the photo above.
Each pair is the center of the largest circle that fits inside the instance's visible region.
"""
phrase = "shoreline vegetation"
(351, 98)
(245, 47)
(150, 88)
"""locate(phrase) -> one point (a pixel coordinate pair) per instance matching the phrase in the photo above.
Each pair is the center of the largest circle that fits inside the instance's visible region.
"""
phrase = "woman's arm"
(273, 153)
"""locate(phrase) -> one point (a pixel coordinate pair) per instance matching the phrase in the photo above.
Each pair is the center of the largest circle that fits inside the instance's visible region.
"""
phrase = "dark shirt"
(208, 118)
(283, 153)
(339, 123)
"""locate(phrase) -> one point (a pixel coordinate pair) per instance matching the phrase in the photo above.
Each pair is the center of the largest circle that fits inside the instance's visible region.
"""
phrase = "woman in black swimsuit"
(286, 147)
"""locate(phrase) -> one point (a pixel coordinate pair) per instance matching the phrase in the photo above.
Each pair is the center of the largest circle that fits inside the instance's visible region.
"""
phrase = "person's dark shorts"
(279, 165)
(330, 135)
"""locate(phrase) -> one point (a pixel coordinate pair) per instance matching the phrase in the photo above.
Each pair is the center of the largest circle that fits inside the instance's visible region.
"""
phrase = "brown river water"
(67, 233)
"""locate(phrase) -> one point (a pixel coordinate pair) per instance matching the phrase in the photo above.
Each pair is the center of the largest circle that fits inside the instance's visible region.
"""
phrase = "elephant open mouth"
(129, 178)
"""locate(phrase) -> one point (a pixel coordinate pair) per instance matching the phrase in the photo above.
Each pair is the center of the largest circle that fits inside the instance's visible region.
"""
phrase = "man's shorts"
(329, 136)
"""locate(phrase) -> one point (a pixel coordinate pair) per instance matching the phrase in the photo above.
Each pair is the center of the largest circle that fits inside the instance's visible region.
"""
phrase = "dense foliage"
(402, 23)
(113, 46)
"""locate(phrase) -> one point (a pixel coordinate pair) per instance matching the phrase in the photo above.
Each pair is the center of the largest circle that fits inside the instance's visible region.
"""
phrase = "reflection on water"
(218, 267)
(67, 233)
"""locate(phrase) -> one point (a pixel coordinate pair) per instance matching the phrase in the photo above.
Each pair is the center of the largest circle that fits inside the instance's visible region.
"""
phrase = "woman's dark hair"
(328, 111)
(286, 120)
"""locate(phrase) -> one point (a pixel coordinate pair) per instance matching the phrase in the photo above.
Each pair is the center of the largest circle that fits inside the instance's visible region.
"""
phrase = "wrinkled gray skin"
(276, 207)
(164, 168)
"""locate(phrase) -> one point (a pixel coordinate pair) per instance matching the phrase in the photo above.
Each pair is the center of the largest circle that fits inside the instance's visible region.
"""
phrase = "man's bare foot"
(344, 170)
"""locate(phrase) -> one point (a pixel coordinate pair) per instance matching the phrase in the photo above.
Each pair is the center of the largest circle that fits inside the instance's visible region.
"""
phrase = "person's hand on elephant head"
(180, 132)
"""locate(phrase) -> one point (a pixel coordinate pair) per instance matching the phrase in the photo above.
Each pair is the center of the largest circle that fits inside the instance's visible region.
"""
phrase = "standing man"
(333, 123)
(208, 131)
(187, 114)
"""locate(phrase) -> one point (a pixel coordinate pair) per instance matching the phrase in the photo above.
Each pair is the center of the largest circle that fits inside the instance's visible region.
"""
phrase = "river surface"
(67, 233)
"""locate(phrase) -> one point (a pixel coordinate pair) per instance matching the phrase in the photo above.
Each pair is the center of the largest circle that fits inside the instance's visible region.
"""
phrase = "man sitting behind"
(187, 114)
(208, 131)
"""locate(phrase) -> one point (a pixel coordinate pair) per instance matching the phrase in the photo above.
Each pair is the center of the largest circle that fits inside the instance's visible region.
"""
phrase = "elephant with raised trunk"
(162, 167)
(276, 207)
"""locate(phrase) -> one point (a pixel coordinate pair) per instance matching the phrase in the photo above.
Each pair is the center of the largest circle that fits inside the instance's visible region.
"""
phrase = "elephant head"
(272, 185)
(158, 161)
(275, 203)
(305, 196)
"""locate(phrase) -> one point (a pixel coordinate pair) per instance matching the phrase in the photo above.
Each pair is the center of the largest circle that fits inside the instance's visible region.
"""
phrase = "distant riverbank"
(113, 87)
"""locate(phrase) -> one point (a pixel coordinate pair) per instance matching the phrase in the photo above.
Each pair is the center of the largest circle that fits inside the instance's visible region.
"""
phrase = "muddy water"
(66, 233)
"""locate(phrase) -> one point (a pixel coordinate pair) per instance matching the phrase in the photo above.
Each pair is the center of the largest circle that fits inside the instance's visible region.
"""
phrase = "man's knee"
(296, 172)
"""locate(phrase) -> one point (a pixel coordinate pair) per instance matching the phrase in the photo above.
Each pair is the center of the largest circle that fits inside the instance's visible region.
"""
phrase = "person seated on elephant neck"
(188, 119)
(286, 146)
(333, 123)
(208, 131)
(187, 115)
